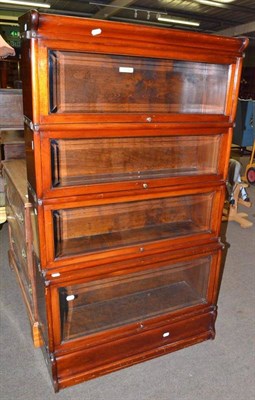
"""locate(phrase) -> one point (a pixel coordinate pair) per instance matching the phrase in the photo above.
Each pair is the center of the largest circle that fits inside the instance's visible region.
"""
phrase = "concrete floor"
(222, 369)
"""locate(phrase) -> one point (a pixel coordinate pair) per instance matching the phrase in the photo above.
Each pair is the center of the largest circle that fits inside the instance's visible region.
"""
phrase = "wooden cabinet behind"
(20, 216)
(128, 136)
(11, 109)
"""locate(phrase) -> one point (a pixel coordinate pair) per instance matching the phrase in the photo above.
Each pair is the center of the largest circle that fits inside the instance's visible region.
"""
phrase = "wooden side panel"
(27, 79)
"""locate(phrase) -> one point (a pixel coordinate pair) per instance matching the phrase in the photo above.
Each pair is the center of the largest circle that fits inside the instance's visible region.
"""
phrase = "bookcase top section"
(37, 25)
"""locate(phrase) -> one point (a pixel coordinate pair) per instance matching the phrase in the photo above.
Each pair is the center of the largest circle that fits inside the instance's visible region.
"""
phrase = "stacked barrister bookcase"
(128, 132)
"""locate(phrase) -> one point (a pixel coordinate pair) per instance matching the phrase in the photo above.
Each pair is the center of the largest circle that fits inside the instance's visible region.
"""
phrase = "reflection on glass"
(107, 303)
(94, 83)
(101, 160)
(108, 226)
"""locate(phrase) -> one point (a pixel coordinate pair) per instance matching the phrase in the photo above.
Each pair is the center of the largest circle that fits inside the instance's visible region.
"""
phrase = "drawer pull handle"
(166, 334)
(145, 185)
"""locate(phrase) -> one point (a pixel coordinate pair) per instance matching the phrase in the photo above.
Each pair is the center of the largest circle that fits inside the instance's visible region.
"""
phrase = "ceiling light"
(119, 7)
(10, 23)
(212, 3)
(178, 21)
(8, 18)
(26, 3)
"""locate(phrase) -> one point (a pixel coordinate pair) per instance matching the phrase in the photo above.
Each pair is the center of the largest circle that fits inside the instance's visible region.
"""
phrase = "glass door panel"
(109, 226)
(94, 83)
(107, 303)
(102, 160)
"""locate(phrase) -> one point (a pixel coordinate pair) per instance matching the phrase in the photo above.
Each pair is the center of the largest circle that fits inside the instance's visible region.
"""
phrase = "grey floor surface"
(222, 369)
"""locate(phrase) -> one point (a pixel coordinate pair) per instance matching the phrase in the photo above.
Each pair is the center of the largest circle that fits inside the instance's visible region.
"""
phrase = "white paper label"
(126, 70)
(70, 297)
(96, 32)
